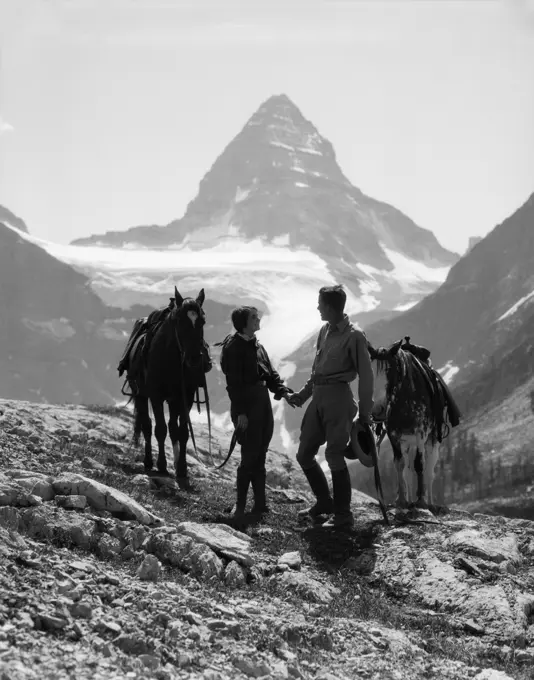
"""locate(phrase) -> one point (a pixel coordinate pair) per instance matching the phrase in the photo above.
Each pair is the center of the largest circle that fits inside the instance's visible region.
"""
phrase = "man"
(249, 378)
(341, 355)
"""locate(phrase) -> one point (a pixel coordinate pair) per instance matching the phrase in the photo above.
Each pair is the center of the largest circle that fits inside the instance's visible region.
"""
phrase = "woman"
(249, 378)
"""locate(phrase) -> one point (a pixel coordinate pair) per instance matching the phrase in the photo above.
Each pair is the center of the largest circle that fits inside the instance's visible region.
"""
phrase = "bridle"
(196, 399)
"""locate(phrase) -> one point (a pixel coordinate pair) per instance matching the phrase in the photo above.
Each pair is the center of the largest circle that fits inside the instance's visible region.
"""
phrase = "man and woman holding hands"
(341, 356)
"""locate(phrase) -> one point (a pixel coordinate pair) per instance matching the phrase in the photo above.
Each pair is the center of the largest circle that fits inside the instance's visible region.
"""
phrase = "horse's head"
(188, 319)
(392, 360)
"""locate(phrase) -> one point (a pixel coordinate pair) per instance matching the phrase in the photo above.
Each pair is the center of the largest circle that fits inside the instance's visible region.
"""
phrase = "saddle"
(134, 356)
(440, 394)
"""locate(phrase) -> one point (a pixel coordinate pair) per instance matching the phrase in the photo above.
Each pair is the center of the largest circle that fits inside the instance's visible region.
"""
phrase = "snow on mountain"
(275, 218)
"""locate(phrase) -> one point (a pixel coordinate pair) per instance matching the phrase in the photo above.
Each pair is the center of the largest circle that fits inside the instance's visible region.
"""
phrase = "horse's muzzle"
(194, 362)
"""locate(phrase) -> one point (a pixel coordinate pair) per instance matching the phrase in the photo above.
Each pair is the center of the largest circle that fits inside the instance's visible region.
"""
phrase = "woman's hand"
(242, 422)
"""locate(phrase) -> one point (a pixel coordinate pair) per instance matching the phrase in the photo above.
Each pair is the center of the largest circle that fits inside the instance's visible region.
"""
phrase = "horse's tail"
(140, 412)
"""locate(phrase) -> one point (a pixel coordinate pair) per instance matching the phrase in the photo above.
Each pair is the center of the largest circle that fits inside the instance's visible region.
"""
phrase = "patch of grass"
(108, 410)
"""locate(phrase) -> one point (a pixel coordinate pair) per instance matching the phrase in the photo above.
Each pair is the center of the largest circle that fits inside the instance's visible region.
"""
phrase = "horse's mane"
(403, 360)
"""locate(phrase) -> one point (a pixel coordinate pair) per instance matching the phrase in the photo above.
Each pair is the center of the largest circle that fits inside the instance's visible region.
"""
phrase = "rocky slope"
(105, 572)
(55, 342)
(482, 307)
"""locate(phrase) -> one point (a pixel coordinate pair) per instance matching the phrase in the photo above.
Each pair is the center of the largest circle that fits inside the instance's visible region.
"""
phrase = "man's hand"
(289, 398)
(294, 400)
(242, 422)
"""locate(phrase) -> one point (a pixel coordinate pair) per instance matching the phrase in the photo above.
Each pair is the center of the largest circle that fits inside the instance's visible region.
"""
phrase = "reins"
(196, 400)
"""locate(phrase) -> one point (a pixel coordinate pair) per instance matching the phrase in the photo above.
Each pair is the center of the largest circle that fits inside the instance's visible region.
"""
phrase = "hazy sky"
(112, 111)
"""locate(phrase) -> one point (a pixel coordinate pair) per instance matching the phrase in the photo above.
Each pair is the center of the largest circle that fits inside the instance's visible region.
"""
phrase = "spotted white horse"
(419, 409)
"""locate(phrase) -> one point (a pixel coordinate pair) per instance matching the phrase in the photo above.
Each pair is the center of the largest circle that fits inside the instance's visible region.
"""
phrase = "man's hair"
(240, 317)
(334, 296)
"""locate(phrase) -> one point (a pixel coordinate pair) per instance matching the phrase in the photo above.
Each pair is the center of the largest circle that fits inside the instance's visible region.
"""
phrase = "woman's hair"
(334, 296)
(240, 317)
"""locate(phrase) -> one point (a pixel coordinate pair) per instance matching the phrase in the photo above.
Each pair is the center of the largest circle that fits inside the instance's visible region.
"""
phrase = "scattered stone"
(292, 560)
(81, 610)
(234, 575)
(221, 538)
(102, 497)
(468, 566)
(150, 569)
(71, 502)
(308, 587)
(490, 548)
(491, 674)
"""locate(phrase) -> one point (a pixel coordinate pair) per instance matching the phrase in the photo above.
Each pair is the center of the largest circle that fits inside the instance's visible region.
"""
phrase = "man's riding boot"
(342, 518)
(319, 485)
(242, 483)
(258, 486)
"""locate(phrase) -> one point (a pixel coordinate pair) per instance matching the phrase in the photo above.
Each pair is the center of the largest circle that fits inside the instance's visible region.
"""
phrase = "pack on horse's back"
(441, 394)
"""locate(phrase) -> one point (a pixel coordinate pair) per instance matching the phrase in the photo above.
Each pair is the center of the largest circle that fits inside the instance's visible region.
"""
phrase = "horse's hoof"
(184, 483)
(163, 471)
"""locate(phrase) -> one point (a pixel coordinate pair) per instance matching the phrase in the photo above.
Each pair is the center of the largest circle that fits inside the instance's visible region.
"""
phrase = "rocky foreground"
(107, 573)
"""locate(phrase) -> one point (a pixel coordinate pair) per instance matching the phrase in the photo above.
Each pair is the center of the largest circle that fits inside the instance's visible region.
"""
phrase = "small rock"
(73, 502)
(468, 566)
(49, 622)
(231, 626)
(471, 627)
(150, 569)
(254, 669)
(127, 553)
(108, 627)
(292, 560)
(149, 661)
(323, 640)
(192, 618)
(130, 644)
(401, 532)
(81, 610)
(234, 575)
(491, 674)
(525, 655)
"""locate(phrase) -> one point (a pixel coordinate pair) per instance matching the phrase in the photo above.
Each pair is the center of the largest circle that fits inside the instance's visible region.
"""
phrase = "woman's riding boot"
(319, 485)
(258, 486)
(242, 484)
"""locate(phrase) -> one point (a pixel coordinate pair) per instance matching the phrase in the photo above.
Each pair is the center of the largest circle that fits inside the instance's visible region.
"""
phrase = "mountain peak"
(9, 218)
(278, 181)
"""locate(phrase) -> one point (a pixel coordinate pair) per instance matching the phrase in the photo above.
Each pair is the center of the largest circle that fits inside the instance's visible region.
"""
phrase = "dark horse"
(173, 370)
(419, 409)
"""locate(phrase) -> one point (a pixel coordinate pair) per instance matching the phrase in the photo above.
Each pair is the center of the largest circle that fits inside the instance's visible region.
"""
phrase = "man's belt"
(329, 381)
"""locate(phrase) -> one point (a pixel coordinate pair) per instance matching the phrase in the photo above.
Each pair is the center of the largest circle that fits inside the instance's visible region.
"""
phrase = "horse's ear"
(179, 299)
(372, 351)
(201, 297)
(395, 347)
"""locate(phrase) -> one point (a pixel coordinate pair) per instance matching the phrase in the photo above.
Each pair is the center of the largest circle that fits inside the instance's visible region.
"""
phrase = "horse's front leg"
(431, 458)
(400, 463)
(160, 432)
(143, 423)
(179, 432)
